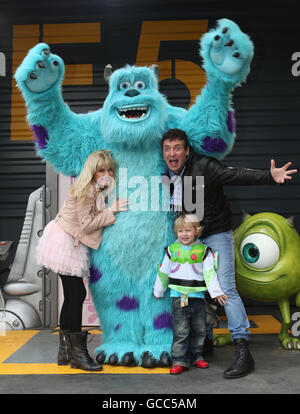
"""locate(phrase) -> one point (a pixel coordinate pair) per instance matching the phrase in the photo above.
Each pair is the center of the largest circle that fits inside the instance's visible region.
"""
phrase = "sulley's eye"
(259, 251)
(139, 85)
(125, 85)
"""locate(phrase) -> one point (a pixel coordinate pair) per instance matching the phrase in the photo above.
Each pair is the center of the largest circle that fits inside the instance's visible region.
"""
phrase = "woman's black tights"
(71, 311)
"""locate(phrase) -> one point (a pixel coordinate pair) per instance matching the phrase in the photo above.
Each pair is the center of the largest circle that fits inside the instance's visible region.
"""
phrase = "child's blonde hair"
(96, 160)
(187, 219)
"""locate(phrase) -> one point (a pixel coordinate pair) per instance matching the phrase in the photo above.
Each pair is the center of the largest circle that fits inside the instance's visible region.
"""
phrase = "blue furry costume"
(136, 327)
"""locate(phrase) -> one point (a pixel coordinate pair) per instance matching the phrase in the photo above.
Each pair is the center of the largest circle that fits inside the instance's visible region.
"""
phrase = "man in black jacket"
(183, 162)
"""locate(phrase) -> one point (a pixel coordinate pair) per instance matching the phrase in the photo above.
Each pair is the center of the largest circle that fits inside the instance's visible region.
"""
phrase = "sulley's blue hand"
(227, 53)
(40, 70)
(210, 123)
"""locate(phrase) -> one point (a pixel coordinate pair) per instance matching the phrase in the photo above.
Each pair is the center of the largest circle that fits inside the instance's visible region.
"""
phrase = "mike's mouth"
(133, 113)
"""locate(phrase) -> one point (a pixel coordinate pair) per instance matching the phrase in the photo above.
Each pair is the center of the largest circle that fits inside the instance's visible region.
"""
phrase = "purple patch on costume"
(213, 144)
(117, 327)
(231, 122)
(95, 275)
(127, 303)
(195, 269)
(175, 268)
(162, 321)
(41, 136)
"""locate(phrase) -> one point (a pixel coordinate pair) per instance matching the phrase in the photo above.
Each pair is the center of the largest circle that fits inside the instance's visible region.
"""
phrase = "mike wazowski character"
(135, 115)
(267, 253)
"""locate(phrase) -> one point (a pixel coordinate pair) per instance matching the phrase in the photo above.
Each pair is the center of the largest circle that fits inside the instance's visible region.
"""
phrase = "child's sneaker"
(201, 364)
(177, 369)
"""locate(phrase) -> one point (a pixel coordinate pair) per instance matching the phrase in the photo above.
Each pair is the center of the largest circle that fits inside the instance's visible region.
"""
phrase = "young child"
(188, 270)
(64, 248)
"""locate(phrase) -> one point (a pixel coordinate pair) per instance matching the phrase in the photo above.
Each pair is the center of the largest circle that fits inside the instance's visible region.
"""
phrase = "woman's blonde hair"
(95, 161)
(187, 219)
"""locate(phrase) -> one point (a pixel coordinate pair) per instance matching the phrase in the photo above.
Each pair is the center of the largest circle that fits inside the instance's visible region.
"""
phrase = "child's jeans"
(189, 331)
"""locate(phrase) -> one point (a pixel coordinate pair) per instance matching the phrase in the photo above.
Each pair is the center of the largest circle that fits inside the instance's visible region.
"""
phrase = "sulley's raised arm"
(210, 123)
(63, 138)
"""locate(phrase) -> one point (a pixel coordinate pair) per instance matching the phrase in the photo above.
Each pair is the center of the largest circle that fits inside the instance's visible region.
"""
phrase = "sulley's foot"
(130, 355)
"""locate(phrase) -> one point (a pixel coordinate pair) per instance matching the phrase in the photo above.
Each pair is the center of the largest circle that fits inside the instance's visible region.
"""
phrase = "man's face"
(175, 154)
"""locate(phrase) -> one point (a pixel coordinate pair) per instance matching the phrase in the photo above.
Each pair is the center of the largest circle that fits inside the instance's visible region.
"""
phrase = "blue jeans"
(189, 330)
(238, 323)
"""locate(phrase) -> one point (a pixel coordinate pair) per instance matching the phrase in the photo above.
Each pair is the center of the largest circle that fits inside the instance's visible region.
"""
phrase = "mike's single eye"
(125, 85)
(139, 85)
(259, 251)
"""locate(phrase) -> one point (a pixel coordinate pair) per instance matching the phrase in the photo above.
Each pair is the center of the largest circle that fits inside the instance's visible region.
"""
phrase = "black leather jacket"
(217, 213)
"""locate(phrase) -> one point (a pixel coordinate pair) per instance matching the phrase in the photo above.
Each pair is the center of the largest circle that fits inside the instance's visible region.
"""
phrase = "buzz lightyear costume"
(189, 270)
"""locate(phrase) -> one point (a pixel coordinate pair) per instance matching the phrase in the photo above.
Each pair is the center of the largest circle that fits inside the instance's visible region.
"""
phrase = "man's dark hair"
(175, 133)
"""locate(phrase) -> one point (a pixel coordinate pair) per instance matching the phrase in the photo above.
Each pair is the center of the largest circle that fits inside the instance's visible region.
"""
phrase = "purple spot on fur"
(41, 136)
(95, 275)
(231, 122)
(213, 144)
(127, 303)
(117, 327)
(162, 321)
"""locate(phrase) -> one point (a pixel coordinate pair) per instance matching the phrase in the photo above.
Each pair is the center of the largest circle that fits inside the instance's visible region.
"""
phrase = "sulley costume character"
(136, 327)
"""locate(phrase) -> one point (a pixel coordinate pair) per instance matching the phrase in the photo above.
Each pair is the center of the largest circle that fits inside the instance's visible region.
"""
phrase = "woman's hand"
(119, 205)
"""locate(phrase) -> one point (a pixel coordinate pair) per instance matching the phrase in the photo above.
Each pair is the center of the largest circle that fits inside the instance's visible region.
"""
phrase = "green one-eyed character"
(267, 253)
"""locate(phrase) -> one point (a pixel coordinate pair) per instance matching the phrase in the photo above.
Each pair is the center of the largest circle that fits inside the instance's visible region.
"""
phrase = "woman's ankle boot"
(80, 357)
(244, 363)
(64, 351)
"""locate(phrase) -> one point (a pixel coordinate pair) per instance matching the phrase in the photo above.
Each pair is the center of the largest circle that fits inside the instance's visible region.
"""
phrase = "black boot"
(244, 363)
(80, 357)
(64, 351)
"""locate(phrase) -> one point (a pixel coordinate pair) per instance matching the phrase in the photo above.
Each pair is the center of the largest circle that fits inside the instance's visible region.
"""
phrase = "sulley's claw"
(100, 357)
(128, 360)
(148, 361)
(113, 359)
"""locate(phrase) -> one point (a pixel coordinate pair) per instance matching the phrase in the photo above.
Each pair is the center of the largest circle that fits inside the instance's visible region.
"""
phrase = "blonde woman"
(64, 248)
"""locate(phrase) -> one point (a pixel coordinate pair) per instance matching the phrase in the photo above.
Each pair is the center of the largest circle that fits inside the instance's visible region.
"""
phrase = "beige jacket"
(83, 220)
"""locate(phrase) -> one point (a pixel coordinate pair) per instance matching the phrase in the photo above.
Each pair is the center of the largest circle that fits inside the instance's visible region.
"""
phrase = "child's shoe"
(177, 369)
(201, 364)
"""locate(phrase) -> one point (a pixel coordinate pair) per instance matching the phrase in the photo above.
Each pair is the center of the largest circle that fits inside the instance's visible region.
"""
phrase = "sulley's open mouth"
(133, 112)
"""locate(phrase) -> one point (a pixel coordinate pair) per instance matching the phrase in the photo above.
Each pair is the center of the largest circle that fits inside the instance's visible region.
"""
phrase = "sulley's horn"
(156, 70)
(107, 72)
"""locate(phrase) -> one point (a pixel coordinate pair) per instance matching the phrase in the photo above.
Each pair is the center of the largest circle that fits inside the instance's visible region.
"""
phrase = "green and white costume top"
(188, 269)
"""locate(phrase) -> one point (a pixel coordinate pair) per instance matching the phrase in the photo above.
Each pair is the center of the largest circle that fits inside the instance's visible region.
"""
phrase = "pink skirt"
(56, 251)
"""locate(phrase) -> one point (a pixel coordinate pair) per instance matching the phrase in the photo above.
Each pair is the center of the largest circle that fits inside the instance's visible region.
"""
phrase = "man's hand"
(281, 174)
